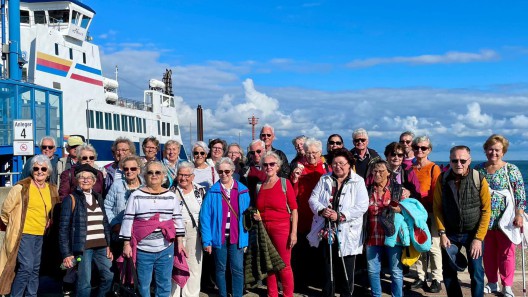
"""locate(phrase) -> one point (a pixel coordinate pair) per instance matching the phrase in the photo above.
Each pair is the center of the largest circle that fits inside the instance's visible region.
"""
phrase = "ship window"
(139, 128)
(85, 21)
(132, 124)
(159, 128)
(176, 130)
(84, 58)
(99, 119)
(71, 53)
(168, 129)
(108, 121)
(24, 17)
(59, 16)
(56, 49)
(144, 126)
(163, 129)
(116, 122)
(124, 120)
(76, 17)
(40, 17)
(90, 118)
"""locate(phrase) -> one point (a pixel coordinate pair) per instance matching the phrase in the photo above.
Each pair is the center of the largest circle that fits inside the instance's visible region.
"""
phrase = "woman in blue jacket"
(221, 226)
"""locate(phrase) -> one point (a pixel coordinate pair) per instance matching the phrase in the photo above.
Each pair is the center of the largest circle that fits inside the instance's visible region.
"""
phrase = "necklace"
(151, 191)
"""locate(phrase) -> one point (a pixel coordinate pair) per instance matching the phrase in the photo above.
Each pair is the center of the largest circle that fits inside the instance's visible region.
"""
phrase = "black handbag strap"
(187, 207)
(127, 261)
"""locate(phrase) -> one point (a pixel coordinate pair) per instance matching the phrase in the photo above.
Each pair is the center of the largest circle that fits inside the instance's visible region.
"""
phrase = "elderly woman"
(221, 227)
(508, 201)
(217, 148)
(380, 194)
(117, 197)
(298, 144)
(334, 142)
(25, 215)
(190, 195)
(150, 148)
(171, 153)
(84, 233)
(236, 154)
(338, 202)
(152, 222)
(278, 211)
(68, 183)
(427, 172)
(304, 177)
(204, 174)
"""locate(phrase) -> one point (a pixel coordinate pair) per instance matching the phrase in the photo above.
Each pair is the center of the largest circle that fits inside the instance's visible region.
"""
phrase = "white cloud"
(474, 117)
(520, 121)
(452, 57)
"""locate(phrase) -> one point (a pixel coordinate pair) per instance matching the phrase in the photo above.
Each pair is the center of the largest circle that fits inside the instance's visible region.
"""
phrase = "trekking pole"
(329, 232)
(522, 261)
(343, 262)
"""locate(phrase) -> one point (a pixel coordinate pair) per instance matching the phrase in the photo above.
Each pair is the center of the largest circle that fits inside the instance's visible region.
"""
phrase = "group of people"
(320, 212)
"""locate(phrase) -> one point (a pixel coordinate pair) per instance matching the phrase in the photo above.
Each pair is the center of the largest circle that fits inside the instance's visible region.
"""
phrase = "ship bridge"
(71, 18)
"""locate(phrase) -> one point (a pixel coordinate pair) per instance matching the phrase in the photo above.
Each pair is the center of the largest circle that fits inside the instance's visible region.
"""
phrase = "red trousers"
(279, 233)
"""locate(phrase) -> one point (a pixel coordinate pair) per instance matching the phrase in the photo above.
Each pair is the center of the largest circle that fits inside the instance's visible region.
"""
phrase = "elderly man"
(121, 148)
(47, 146)
(362, 154)
(67, 162)
(267, 134)
(406, 139)
(252, 173)
(462, 210)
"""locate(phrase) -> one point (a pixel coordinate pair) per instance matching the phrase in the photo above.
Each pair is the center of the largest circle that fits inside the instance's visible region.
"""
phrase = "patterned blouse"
(499, 181)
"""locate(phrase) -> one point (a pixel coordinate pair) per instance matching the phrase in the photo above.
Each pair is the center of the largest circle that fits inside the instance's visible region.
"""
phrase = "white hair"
(268, 126)
(312, 142)
(359, 131)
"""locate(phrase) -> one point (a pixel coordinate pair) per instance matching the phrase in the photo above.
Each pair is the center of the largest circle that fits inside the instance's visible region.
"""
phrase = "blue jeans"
(374, 254)
(28, 266)
(84, 272)
(475, 268)
(161, 263)
(235, 256)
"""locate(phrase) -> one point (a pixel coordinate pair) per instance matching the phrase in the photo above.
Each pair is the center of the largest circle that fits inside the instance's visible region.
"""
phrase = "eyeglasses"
(375, 171)
(335, 142)
(199, 153)
(340, 164)
(85, 178)
(422, 148)
(262, 135)
(184, 175)
(270, 164)
(226, 172)
(255, 152)
(43, 169)
(91, 158)
(126, 169)
(405, 141)
(217, 148)
(360, 140)
(456, 161)
(157, 172)
(122, 150)
(47, 147)
(397, 155)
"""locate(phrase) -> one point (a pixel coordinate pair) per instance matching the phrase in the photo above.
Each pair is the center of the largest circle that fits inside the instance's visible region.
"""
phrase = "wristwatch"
(441, 232)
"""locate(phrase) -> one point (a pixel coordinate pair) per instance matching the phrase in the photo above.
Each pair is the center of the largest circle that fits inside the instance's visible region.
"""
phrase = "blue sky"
(454, 70)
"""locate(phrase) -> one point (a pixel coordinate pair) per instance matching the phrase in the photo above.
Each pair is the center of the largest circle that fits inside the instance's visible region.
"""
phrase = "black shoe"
(67, 289)
(435, 287)
(417, 284)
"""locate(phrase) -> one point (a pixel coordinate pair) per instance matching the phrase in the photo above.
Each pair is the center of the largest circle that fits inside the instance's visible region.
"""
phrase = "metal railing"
(9, 182)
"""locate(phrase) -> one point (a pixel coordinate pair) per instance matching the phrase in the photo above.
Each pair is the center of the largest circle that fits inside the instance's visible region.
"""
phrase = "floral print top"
(499, 181)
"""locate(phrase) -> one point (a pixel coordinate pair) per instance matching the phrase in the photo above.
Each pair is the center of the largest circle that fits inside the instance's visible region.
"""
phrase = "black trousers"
(339, 283)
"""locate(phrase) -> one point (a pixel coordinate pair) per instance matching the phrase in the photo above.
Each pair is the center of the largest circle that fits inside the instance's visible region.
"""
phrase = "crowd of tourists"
(228, 219)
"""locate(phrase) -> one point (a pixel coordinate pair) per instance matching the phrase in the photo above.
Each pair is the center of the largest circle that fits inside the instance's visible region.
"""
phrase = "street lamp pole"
(88, 122)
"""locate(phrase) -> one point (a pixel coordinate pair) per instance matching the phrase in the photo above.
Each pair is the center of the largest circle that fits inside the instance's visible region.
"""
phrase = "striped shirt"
(95, 236)
(142, 205)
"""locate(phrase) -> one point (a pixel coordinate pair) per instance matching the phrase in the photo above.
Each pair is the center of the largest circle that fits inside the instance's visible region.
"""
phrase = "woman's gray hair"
(242, 156)
(171, 142)
(78, 175)
(130, 158)
(225, 160)
(270, 154)
(186, 165)
(163, 170)
(85, 147)
(131, 145)
(42, 159)
(312, 142)
(201, 144)
(423, 138)
(302, 137)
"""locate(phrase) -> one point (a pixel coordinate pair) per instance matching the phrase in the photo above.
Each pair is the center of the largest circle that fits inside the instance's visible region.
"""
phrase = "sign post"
(23, 142)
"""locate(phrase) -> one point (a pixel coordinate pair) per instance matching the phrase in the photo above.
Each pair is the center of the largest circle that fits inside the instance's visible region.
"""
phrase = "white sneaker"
(492, 288)
(507, 291)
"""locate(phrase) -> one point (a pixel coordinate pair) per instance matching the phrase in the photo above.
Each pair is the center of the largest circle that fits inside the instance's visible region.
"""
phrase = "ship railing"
(8, 180)
(134, 104)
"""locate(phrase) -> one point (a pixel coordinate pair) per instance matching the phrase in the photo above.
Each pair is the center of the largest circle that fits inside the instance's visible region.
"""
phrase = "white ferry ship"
(56, 56)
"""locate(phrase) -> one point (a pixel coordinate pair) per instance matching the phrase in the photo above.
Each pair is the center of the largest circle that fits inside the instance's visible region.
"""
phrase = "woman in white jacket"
(339, 201)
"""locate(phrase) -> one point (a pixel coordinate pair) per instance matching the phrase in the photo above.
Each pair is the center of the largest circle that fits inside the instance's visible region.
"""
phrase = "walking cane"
(329, 230)
(343, 261)
(522, 262)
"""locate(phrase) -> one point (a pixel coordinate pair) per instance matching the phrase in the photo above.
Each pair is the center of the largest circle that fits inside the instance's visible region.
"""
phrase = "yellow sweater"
(38, 210)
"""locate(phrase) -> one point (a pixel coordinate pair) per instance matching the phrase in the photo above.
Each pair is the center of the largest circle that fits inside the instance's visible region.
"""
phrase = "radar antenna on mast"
(167, 80)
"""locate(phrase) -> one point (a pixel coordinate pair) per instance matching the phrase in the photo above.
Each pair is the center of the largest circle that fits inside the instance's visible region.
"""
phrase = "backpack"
(284, 188)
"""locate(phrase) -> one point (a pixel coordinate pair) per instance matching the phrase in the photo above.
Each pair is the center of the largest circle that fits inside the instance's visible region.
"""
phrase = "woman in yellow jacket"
(25, 215)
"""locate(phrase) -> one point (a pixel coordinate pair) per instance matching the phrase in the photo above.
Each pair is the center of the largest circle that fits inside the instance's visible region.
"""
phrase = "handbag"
(125, 289)
(506, 220)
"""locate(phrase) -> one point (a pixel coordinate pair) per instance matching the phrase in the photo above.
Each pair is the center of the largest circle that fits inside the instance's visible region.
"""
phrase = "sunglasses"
(360, 140)
(133, 169)
(253, 152)
(199, 153)
(461, 161)
(47, 147)
(157, 172)
(405, 141)
(397, 155)
(43, 169)
(226, 172)
(270, 164)
(265, 135)
(420, 148)
(335, 142)
(91, 158)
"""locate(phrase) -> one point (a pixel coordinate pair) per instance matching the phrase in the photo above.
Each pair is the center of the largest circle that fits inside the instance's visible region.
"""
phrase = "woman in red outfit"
(275, 205)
